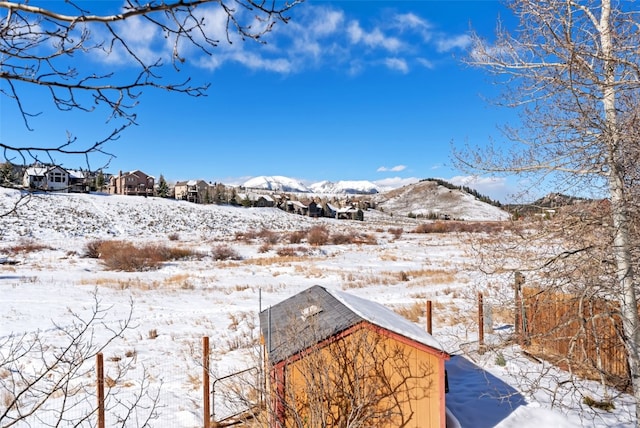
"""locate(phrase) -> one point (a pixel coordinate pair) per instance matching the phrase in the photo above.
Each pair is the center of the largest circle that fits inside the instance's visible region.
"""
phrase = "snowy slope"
(428, 197)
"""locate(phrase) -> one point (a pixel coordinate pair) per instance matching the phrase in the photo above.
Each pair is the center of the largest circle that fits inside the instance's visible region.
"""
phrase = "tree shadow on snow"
(476, 397)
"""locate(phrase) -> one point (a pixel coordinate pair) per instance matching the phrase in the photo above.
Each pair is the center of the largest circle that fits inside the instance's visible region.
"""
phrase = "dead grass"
(412, 312)
(27, 246)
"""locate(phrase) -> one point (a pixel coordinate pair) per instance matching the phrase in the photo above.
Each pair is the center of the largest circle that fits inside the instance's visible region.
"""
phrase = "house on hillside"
(135, 183)
(331, 356)
(297, 207)
(80, 181)
(350, 213)
(315, 209)
(49, 178)
(196, 191)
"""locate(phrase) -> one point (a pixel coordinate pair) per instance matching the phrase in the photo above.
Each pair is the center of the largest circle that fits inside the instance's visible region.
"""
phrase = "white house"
(51, 178)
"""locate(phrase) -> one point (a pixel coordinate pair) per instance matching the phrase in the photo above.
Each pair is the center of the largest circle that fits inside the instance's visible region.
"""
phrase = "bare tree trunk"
(619, 210)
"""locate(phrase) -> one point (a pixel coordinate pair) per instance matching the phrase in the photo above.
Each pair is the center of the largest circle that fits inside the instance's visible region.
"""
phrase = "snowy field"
(43, 291)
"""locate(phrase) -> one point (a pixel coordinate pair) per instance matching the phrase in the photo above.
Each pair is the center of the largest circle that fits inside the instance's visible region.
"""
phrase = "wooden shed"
(335, 359)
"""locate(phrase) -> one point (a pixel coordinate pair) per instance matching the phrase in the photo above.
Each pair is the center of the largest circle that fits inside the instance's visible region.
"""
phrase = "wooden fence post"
(429, 318)
(100, 388)
(205, 382)
(518, 321)
(480, 323)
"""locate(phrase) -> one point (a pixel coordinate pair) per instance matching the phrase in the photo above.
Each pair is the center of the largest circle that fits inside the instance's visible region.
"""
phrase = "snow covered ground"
(178, 304)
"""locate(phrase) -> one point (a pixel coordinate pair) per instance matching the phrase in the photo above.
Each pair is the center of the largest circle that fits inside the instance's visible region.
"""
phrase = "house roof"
(319, 313)
(40, 171)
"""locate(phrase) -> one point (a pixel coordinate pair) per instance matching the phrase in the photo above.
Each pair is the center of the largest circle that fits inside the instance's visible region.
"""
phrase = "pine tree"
(163, 188)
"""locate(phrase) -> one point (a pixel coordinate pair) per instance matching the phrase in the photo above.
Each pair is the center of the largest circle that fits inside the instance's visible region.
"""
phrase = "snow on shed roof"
(318, 313)
(384, 317)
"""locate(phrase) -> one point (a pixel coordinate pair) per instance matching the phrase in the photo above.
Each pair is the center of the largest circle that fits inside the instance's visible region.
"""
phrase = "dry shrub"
(491, 227)
(318, 235)
(27, 246)
(264, 248)
(125, 256)
(224, 252)
(365, 238)
(173, 237)
(396, 232)
(269, 236)
(92, 249)
(341, 238)
(292, 251)
(297, 236)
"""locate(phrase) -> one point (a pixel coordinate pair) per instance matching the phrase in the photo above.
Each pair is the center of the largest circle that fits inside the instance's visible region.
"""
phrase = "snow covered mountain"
(276, 183)
(345, 187)
(285, 184)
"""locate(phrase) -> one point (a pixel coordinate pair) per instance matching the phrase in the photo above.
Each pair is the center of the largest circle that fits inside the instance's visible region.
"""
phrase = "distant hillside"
(430, 198)
(552, 201)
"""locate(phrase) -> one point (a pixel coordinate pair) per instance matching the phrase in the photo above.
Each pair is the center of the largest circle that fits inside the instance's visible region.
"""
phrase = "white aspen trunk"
(619, 210)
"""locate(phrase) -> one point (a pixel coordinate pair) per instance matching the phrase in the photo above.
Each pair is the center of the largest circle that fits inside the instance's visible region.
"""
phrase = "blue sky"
(347, 90)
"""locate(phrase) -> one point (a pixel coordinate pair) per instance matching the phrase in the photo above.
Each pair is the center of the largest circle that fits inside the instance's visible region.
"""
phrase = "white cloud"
(397, 64)
(410, 21)
(396, 168)
(496, 188)
(395, 182)
(373, 39)
(426, 63)
(446, 44)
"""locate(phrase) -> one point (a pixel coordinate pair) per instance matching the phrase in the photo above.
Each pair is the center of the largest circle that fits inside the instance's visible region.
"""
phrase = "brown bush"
(173, 237)
(461, 226)
(92, 249)
(297, 236)
(27, 246)
(125, 256)
(264, 248)
(396, 232)
(292, 251)
(269, 236)
(341, 238)
(318, 235)
(224, 252)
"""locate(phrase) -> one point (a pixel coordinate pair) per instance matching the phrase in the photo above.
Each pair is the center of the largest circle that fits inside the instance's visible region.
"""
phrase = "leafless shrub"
(65, 367)
(269, 236)
(27, 246)
(264, 248)
(297, 236)
(318, 235)
(173, 237)
(396, 232)
(341, 238)
(224, 252)
(125, 256)
(153, 334)
(92, 248)
(490, 227)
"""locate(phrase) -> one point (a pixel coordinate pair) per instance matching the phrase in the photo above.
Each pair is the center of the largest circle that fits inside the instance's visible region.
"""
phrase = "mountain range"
(279, 183)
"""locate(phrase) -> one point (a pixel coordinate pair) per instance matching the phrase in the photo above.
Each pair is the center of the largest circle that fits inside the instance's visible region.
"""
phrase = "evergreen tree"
(6, 174)
(163, 188)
